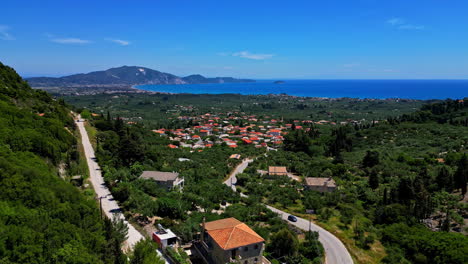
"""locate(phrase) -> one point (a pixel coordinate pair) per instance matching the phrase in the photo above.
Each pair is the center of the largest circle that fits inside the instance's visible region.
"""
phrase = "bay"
(379, 89)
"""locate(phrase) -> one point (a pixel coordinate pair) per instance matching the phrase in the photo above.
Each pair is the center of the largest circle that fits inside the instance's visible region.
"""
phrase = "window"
(246, 248)
(256, 246)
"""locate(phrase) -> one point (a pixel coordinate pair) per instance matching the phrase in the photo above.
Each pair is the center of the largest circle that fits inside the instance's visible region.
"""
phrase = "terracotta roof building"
(235, 156)
(230, 240)
(168, 180)
(320, 184)
(277, 171)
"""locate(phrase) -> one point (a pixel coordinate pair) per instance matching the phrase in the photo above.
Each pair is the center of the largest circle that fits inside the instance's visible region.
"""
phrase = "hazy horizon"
(257, 79)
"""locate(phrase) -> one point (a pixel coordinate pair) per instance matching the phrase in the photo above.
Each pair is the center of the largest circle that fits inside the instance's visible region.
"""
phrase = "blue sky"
(347, 39)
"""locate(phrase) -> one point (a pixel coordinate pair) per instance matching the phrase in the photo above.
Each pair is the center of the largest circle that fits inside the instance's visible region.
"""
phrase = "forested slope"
(43, 219)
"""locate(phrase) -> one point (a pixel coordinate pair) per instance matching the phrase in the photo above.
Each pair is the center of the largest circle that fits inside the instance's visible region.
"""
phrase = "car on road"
(292, 218)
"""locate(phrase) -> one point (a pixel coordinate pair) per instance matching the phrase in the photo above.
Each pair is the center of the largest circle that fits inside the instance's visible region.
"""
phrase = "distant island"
(278, 82)
(125, 77)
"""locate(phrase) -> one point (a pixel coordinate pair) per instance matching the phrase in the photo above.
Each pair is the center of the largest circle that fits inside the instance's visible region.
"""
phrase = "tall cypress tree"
(461, 175)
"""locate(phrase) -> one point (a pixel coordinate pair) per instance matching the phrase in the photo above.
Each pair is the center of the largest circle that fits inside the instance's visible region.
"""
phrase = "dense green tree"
(311, 248)
(374, 179)
(370, 159)
(313, 200)
(444, 179)
(298, 140)
(418, 242)
(144, 252)
(283, 243)
(461, 175)
(43, 218)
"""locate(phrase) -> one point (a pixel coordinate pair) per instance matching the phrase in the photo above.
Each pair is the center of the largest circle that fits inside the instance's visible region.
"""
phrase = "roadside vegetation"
(44, 218)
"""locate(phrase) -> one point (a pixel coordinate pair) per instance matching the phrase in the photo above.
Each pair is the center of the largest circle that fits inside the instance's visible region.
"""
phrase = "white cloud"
(70, 41)
(252, 56)
(119, 41)
(395, 21)
(411, 27)
(400, 23)
(4, 34)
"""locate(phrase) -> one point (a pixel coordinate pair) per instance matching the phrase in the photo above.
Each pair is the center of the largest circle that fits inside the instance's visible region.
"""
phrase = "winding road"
(239, 169)
(335, 251)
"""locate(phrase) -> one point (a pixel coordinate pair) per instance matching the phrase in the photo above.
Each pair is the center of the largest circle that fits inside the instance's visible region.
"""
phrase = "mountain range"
(126, 76)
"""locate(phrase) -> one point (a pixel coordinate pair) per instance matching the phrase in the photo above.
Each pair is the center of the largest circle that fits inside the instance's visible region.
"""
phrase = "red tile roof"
(231, 233)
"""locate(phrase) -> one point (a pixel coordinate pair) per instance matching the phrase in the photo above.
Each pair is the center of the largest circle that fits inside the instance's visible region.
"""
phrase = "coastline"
(327, 89)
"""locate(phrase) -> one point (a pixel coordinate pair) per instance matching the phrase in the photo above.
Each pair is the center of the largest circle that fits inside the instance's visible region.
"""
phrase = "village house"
(168, 180)
(164, 237)
(277, 171)
(205, 133)
(320, 184)
(274, 132)
(235, 156)
(231, 241)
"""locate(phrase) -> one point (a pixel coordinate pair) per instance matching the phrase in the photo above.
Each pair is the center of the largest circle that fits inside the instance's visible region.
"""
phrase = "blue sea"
(380, 89)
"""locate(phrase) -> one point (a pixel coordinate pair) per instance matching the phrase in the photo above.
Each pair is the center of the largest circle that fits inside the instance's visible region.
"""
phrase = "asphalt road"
(239, 169)
(109, 205)
(335, 251)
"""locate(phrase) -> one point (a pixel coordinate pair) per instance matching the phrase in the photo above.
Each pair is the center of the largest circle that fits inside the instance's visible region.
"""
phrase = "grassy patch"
(82, 163)
(374, 254)
(92, 133)
(82, 168)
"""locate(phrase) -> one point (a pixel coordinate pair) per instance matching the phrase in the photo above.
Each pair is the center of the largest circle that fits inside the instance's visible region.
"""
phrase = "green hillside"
(43, 219)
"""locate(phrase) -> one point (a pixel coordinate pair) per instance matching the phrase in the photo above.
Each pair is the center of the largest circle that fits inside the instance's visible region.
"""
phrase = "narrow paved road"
(109, 205)
(335, 251)
(239, 169)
